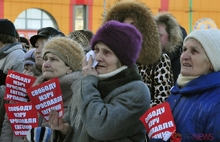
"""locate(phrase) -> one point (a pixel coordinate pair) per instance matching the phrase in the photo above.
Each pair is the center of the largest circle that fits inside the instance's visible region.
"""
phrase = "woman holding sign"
(195, 99)
(61, 59)
(110, 98)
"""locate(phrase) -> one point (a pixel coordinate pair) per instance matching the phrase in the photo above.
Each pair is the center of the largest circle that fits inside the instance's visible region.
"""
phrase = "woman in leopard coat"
(154, 66)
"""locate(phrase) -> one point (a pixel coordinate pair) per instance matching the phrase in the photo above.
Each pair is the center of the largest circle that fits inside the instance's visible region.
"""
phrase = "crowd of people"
(142, 60)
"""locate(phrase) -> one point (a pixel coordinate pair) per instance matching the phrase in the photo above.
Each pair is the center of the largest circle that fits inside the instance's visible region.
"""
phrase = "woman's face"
(28, 68)
(53, 66)
(38, 52)
(194, 61)
(129, 20)
(107, 60)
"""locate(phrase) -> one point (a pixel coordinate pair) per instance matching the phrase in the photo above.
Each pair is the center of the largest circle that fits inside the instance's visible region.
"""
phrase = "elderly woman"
(61, 59)
(195, 99)
(154, 66)
(110, 98)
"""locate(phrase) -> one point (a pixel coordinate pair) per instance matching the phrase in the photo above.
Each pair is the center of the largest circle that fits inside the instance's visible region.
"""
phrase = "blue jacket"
(196, 108)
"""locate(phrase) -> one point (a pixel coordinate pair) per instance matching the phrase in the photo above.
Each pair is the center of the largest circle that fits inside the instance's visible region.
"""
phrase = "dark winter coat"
(176, 36)
(175, 57)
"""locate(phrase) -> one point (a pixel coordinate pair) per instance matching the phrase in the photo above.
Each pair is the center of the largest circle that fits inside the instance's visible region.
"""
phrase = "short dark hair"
(7, 38)
(25, 40)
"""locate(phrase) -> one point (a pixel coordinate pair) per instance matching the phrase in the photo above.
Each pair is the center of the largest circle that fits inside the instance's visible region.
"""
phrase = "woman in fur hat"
(110, 98)
(171, 37)
(154, 67)
(61, 59)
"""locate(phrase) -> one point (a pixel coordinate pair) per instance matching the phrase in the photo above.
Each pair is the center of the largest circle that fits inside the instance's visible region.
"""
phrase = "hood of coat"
(175, 33)
(65, 83)
(178, 51)
(10, 48)
(144, 22)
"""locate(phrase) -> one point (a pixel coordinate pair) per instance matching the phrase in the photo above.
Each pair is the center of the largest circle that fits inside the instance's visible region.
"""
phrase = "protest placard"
(22, 117)
(17, 85)
(47, 96)
(159, 121)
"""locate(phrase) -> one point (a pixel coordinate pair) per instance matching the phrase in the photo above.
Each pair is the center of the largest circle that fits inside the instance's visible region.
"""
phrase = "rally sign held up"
(47, 96)
(17, 85)
(22, 117)
(159, 121)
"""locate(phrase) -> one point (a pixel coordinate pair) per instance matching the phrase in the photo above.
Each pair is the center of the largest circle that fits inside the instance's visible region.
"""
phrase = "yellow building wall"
(58, 9)
(200, 9)
(154, 5)
(179, 9)
(98, 10)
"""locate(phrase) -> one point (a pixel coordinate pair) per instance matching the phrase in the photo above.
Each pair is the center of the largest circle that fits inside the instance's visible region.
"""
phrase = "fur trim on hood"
(175, 33)
(144, 22)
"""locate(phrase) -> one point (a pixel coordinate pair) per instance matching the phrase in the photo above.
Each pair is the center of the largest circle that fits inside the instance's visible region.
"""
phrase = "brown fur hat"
(83, 37)
(144, 22)
(67, 50)
(174, 31)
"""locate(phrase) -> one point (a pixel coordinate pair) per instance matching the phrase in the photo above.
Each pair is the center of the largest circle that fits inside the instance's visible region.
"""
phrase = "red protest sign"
(22, 117)
(47, 96)
(17, 85)
(159, 121)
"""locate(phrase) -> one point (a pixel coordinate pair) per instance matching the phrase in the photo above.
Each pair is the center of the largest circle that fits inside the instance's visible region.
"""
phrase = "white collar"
(113, 73)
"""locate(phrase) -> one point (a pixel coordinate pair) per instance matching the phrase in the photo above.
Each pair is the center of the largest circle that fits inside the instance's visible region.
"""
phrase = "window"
(80, 17)
(34, 19)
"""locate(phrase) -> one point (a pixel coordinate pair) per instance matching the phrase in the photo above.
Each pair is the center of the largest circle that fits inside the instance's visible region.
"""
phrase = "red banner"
(47, 96)
(159, 121)
(22, 117)
(17, 85)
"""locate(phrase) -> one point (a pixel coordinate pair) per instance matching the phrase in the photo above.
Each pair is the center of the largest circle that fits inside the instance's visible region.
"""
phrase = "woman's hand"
(57, 123)
(87, 67)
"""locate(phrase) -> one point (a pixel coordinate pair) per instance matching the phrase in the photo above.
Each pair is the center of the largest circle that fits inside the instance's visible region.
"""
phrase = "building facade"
(69, 15)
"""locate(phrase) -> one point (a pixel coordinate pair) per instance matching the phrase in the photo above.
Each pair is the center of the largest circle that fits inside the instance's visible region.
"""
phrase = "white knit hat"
(210, 40)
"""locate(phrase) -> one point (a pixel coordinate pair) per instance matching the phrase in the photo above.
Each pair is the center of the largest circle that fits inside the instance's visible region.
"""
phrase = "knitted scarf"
(122, 77)
(183, 80)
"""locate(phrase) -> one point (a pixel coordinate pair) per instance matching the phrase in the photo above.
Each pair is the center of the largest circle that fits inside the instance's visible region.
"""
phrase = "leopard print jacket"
(159, 79)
